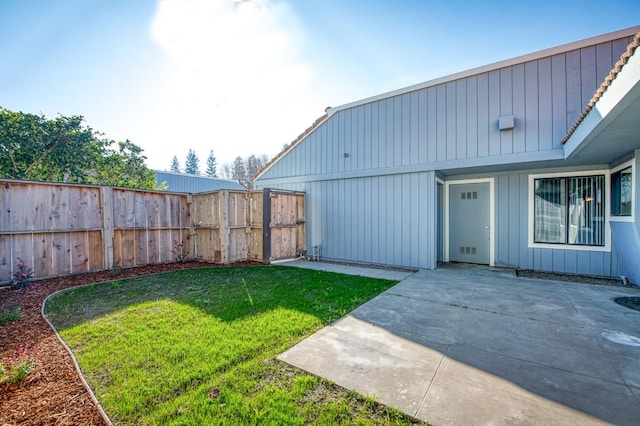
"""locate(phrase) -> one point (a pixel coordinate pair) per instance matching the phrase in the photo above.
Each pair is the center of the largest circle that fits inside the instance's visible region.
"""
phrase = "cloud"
(236, 84)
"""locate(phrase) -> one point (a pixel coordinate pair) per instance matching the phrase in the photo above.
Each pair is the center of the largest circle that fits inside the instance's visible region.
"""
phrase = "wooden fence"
(228, 226)
(285, 234)
(61, 229)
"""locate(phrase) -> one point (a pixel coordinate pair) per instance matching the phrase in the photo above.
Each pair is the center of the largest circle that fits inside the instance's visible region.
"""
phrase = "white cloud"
(235, 84)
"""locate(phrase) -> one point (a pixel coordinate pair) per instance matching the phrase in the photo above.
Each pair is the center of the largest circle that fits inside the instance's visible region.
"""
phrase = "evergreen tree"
(175, 165)
(212, 165)
(192, 163)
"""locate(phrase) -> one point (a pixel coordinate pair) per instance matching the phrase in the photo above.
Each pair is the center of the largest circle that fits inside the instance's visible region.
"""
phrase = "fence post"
(266, 225)
(224, 226)
(191, 214)
(106, 205)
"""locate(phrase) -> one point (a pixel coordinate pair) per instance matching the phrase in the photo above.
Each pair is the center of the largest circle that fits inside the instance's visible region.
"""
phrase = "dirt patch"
(613, 282)
(53, 393)
(628, 302)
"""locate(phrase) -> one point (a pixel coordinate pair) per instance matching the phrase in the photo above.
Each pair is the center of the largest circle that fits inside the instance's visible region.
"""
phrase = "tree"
(192, 163)
(124, 166)
(239, 171)
(65, 150)
(212, 165)
(175, 165)
(226, 171)
(254, 164)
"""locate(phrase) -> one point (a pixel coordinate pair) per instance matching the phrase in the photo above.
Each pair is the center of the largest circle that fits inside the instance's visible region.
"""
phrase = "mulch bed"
(628, 302)
(53, 393)
(584, 279)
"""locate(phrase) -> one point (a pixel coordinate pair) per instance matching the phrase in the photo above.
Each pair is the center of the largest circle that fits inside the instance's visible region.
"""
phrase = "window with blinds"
(569, 210)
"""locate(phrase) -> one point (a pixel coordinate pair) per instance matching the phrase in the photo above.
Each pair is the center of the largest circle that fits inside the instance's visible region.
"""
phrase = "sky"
(248, 76)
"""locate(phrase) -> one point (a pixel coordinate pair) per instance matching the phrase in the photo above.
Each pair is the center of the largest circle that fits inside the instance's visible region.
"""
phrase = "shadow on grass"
(226, 293)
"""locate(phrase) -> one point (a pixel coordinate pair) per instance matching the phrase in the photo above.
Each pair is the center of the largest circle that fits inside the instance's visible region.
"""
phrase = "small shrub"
(9, 314)
(21, 277)
(181, 254)
(18, 368)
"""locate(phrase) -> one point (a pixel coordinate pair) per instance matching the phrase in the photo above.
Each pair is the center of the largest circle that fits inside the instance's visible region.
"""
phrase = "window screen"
(569, 210)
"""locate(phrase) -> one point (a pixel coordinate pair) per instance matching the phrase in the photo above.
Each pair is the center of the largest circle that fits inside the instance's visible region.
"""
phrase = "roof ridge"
(521, 59)
(624, 58)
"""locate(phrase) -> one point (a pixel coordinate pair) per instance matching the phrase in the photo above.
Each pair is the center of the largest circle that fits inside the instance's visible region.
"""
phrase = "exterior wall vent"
(506, 122)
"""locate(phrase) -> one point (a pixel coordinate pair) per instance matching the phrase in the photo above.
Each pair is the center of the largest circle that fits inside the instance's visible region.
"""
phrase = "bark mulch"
(53, 393)
(628, 302)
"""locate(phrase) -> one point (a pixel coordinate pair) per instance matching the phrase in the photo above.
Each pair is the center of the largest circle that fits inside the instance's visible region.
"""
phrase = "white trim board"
(631, 163)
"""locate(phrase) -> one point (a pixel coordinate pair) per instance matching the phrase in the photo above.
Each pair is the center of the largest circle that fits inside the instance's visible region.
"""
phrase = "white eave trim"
(494, 66)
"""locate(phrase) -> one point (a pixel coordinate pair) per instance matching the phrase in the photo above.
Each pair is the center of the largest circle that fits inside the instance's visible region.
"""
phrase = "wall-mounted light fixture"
(506, 122)
(346, 155)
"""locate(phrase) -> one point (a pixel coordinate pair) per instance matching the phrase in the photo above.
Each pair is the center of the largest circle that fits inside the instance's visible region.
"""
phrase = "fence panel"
(147, 225)
(206, 210)
(285, 236)
(61, 229)
(225, 231)
(55, 229)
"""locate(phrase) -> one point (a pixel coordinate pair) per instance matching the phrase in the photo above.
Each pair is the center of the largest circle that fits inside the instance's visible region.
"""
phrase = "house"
(527, 163)
(182, 182)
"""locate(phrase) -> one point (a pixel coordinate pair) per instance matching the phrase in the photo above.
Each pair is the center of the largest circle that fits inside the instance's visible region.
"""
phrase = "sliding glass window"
(569, 210)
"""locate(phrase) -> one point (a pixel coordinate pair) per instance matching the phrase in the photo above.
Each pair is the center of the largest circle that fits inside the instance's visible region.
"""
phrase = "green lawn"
(198, 346)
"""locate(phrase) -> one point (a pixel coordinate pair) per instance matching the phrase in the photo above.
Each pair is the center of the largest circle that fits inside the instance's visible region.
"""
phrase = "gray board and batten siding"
(369, 170)
(386, 220)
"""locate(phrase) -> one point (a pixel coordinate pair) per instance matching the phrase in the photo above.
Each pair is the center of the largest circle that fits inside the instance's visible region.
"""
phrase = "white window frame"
(607, 211)
(632, 164)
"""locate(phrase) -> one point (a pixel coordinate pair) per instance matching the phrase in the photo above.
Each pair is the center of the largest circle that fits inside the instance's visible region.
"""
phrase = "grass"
(198, 346)
(9, 314)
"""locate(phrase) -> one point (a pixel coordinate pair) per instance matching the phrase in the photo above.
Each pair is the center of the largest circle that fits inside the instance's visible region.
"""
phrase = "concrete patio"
(472, 345)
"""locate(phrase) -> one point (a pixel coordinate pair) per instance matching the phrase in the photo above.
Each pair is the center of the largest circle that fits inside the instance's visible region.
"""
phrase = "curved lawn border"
(103, 413)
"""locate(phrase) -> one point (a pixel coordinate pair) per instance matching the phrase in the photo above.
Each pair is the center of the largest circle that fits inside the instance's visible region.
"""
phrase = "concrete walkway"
(382, 273)
(461, 346)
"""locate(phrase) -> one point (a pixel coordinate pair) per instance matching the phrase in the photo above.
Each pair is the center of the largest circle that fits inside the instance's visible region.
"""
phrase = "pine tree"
(175, 165)
(191, 164)
(212, 165)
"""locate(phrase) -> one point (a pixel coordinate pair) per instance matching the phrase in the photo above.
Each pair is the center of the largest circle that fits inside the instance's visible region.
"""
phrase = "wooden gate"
(284, 224)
